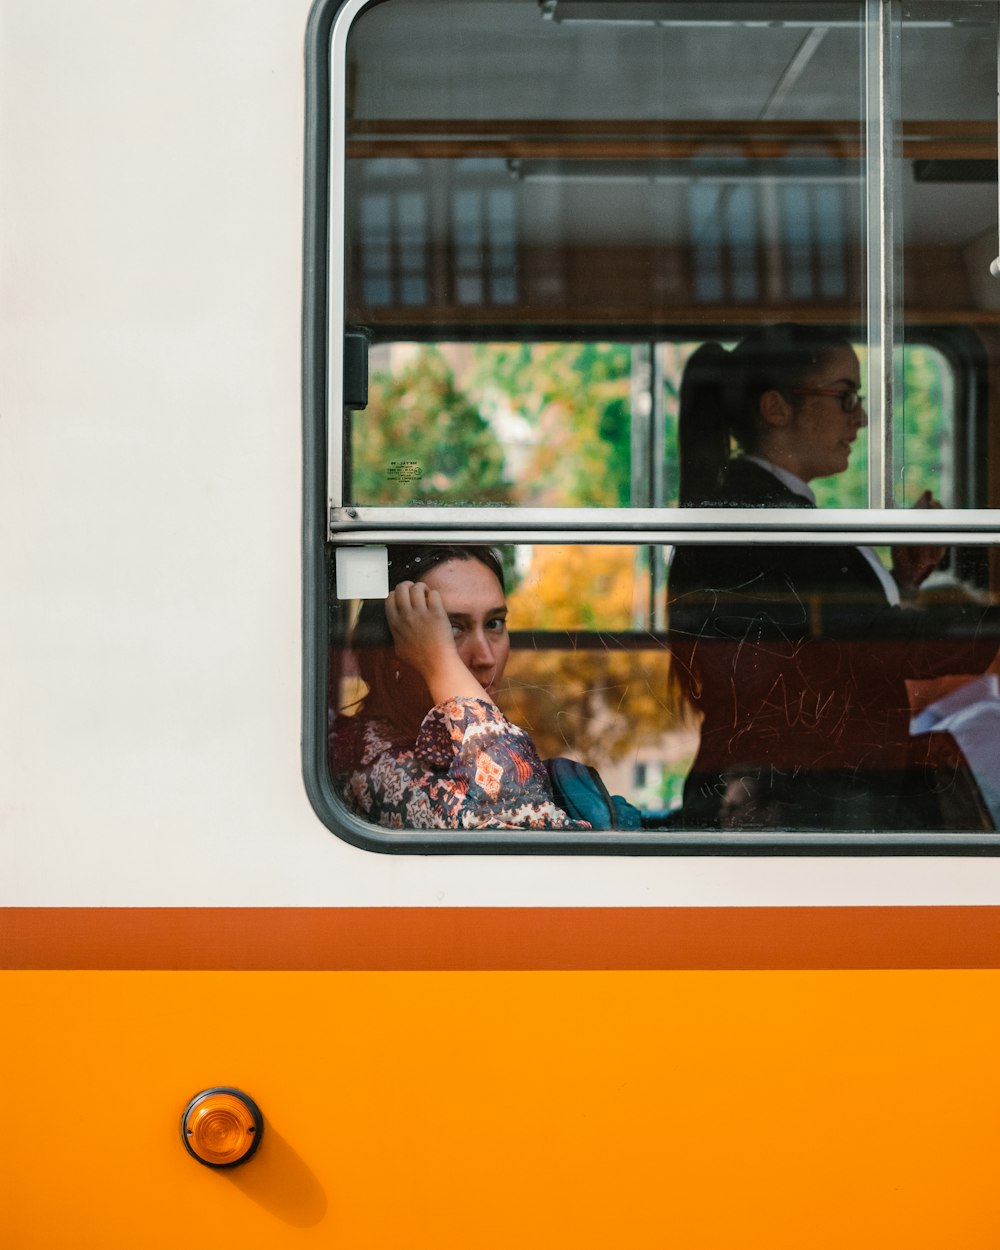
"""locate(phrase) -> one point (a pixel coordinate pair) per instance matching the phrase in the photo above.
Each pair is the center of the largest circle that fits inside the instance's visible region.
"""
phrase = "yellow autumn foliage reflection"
(598, 698)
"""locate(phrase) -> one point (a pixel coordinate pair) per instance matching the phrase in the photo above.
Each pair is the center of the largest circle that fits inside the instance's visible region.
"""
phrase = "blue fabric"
(581, 793)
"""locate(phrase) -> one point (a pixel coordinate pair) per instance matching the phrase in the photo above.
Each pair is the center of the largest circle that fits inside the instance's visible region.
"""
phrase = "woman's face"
(477, 609)
(821, 433)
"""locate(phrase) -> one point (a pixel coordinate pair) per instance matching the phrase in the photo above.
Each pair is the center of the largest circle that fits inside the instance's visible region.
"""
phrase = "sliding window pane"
(946, 194)
(516, 173)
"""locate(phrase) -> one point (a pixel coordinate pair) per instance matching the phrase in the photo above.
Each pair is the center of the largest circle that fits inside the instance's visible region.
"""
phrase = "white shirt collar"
(794, 484)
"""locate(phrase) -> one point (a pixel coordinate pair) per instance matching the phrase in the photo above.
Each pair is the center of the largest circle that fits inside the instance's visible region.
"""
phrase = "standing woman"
(428, 748)
(797, 657)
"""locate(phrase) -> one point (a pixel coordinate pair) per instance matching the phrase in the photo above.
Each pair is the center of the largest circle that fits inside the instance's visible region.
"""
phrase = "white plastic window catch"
(362, 572)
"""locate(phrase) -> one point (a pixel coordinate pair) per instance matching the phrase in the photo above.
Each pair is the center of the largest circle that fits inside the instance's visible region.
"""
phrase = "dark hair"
(721, 390)
(396, 693)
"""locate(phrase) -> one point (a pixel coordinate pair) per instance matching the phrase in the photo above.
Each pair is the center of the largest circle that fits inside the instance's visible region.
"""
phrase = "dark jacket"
(798, 665)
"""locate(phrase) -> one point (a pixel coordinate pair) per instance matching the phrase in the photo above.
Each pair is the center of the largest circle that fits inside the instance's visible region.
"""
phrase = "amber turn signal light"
(222, 1126)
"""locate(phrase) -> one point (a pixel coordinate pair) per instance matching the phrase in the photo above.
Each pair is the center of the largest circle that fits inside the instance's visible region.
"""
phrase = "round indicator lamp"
(222, 1127)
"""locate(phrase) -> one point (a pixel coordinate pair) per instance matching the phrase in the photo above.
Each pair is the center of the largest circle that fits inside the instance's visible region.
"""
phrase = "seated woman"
(797, 657)
(429, 748)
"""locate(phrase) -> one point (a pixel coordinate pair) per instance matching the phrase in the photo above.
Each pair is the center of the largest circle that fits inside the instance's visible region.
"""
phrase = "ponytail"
(703, 425)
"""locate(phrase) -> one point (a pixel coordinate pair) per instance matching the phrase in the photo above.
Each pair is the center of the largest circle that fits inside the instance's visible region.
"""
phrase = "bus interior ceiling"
(512, 166)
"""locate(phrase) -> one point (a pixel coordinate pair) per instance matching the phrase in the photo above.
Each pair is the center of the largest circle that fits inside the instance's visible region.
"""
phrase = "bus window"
(538, 213)
(783, 698)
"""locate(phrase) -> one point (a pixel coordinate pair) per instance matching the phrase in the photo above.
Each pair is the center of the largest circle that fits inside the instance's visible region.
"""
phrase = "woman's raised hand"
(424, 640)
(913, 565)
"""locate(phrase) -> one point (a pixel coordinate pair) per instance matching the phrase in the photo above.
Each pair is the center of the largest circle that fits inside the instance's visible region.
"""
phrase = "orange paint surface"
(484, 1111)
(497, 938)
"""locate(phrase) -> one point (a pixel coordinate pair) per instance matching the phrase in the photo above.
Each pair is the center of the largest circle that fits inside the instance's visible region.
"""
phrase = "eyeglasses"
(849, 400)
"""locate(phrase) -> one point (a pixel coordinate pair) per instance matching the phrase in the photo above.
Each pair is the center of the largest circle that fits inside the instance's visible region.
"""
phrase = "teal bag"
(580, 792)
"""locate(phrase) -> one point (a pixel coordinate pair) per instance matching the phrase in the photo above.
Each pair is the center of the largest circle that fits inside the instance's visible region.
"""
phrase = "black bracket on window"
(357, 341)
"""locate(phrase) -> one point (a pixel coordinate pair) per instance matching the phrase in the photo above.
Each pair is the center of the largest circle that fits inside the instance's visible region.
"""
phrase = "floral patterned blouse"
(469, 768)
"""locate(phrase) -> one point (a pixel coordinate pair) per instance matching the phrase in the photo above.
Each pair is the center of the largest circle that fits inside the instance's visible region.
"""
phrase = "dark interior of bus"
(549, 204)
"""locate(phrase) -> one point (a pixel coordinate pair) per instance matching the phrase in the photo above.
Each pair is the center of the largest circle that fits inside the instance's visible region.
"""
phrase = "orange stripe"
(458, 938)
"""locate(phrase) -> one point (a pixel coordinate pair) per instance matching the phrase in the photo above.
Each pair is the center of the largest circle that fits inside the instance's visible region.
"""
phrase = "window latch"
(357, 340)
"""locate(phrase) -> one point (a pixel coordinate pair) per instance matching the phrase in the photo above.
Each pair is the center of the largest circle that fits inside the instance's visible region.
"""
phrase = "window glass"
(511, 166)
(785, 695)
(550, 424)
(587, 677)
(945, 194)
(560, 219)
(534, 424)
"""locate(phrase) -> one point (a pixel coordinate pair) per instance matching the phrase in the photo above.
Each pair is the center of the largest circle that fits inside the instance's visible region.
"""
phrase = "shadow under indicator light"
(222, 1127)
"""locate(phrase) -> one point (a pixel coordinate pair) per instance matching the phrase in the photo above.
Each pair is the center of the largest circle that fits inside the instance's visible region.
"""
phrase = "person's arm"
(424, 640)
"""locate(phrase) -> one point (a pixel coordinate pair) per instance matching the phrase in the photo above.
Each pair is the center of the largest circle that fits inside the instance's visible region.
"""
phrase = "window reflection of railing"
(642, 138)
